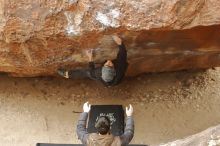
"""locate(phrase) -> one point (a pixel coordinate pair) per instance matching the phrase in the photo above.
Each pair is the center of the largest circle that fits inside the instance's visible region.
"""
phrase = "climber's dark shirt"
(120, 65)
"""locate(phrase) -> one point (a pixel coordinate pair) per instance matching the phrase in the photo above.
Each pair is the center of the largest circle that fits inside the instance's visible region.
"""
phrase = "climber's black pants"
(79, 74)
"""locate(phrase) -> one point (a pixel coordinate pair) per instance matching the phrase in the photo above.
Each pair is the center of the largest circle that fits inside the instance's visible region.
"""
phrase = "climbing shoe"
(63, 73)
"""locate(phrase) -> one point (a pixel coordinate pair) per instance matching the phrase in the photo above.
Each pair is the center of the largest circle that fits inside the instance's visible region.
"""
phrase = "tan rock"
(37, 37)
(209, 137)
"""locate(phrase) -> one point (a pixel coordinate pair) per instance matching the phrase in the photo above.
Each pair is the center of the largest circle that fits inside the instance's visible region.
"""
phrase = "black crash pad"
(115, 114)
(44, 144)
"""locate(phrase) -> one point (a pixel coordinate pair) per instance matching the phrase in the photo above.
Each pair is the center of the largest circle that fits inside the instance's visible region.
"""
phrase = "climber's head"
(109, 63)
(108, 71)
(103, 125)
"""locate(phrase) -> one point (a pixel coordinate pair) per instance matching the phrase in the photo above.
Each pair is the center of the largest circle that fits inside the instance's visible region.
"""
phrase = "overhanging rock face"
(39, 36)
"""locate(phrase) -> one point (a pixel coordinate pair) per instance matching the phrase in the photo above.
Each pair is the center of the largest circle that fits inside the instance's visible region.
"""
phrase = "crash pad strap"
(49, 144)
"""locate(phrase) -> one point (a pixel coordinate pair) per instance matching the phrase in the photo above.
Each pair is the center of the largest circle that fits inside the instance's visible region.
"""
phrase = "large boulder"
(39, 36)
(209, 137)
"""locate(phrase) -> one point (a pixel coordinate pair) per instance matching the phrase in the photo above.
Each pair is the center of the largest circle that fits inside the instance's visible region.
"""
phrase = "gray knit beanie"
(108, 73)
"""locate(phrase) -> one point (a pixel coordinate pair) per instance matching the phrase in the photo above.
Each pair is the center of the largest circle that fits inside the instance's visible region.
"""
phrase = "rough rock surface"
(209, 137)
(37, 37)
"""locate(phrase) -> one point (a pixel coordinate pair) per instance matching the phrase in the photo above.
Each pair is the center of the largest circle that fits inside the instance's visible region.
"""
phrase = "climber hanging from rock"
(110, 73)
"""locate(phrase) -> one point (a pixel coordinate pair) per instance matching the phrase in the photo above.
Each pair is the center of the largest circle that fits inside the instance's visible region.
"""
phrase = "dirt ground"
(167, 106)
